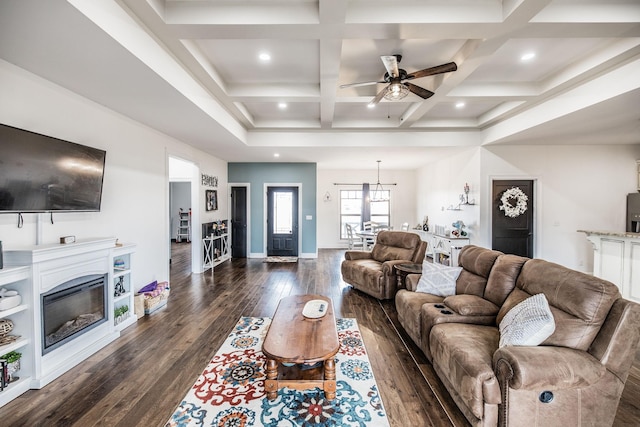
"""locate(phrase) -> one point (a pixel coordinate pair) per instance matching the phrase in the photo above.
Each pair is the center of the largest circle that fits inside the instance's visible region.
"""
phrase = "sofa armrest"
(546, 367)
(616, 343)
(471, 305)
(411, 281)
(353, 255)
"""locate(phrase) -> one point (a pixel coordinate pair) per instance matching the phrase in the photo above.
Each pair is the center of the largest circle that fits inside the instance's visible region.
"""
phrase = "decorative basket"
(6, 326)
(152, 303)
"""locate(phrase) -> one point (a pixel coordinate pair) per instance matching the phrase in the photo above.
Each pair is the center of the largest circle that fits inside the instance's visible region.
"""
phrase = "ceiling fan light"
(396, 91)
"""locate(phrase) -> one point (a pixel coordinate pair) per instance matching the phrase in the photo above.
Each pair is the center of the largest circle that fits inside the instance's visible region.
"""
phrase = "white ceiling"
(190, 69)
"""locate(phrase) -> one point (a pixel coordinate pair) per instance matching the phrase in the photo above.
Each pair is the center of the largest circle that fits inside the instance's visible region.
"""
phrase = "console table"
(216, 250)
(616, 258)
(443, 249)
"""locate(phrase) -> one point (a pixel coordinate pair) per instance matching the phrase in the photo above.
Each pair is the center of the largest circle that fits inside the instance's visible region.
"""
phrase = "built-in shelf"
(123, 273)
(122, 297)
(17, 344)
(18, 279)
(14, 310)
(14, 389)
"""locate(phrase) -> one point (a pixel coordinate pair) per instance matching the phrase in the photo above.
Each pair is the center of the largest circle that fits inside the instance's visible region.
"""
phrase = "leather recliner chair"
(373, 272)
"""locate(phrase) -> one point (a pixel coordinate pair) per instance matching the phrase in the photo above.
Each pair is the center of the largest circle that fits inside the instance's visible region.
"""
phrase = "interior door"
(238, 222)
(282, 221)
(512, 217)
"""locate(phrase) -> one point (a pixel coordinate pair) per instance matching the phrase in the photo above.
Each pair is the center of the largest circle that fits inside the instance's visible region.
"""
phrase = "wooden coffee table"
(294, 344)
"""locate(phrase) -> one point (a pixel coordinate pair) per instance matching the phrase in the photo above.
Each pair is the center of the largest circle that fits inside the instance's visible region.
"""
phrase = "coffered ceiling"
(192, 69)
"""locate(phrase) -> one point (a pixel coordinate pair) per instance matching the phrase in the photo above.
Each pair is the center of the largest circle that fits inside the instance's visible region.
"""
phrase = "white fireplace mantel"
(616, 258)
(52, 265)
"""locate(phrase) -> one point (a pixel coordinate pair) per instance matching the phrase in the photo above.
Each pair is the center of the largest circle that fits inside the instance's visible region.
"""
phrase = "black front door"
(512, 217)
(282, 221)
(238, 222)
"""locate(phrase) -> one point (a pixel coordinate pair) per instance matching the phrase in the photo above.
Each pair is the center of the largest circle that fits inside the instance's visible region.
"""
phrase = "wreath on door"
(520, 207)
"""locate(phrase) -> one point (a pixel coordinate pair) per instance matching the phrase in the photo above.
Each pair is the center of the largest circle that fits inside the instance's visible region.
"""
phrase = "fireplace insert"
(73, 308)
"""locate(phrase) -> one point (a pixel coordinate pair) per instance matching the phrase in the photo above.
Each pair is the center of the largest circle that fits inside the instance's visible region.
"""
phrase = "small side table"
(402, 270)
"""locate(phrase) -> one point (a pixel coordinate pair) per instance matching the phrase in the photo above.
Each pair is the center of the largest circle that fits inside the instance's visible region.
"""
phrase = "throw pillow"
(528, 323)
(438, 279)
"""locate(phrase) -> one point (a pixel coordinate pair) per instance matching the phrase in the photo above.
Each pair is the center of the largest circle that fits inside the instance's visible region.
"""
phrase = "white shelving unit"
(121, 278)
(447, 249)
(444, 250)
(18, 278)
(184, 226)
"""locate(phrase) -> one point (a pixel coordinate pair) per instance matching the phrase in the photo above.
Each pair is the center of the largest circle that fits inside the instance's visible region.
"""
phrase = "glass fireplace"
(73, 308)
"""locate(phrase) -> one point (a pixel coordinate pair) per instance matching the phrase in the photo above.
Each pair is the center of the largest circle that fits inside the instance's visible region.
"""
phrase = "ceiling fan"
(397, 77)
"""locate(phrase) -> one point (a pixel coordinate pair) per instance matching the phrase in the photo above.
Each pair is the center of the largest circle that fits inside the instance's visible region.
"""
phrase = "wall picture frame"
(211, 200)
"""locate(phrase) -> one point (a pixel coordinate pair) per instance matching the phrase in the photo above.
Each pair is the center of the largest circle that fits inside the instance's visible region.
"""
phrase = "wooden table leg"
(271, 383)
(329, 384)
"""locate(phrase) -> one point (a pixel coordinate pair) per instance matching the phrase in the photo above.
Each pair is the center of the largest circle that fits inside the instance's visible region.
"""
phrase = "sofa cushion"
(396, 245)
(528, 323)
(579, 302)
(503, 277)
(476, 263)
(477, 260)
(471, 305)
(438, 279)
(463, 353)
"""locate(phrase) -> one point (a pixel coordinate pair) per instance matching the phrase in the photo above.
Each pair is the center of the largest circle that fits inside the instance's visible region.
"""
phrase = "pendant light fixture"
(378, 194)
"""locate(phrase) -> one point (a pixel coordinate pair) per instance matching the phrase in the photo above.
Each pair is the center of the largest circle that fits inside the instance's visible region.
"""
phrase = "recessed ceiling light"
(264, 57)
(276, 155)
(282, 105)
(460, 104)
(371, 105)
(528, 56)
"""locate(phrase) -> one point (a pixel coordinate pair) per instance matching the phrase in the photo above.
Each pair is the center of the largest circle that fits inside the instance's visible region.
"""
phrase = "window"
(282, 208)
(351, 210)
(380, 210)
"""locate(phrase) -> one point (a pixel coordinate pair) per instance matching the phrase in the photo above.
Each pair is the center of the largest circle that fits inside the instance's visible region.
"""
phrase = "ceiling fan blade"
(379, 96)
(391, 64)
(420, 91)
(444, 68)
(360, 84)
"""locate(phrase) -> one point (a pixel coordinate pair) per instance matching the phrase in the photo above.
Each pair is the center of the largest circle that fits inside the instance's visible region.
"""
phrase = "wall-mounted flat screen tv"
(39, 173)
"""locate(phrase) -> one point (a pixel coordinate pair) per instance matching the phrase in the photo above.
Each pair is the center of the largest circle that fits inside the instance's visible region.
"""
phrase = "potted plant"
(13, 364)
(121, 313)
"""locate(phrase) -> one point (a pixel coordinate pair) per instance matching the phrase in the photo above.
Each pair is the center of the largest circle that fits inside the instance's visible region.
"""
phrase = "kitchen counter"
(616, 258)
(611, 233)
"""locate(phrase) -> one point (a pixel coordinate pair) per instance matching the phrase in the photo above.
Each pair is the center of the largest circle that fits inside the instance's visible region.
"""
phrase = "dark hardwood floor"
(139, 379)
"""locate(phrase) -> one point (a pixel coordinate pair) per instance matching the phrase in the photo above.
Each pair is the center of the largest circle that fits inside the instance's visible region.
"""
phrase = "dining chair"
(353, 242)
(405, 226)
(373, 227)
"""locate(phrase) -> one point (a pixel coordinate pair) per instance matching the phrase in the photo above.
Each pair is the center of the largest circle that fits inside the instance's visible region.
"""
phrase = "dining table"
(368, 238)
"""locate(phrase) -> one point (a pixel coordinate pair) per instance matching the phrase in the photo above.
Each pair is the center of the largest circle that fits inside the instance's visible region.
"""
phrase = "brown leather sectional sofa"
(574, 378)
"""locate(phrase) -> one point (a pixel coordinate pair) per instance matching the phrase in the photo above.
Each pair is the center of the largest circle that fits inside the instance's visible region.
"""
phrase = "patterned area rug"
(230, 391)
(281, 259)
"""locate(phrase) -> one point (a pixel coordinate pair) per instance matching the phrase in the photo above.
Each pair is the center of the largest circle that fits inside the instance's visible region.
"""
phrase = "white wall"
(135, 200)
(577, 187)
(440, 185)
(403, 199)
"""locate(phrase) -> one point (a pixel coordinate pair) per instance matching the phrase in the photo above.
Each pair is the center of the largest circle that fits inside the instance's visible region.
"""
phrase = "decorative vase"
(12, 368)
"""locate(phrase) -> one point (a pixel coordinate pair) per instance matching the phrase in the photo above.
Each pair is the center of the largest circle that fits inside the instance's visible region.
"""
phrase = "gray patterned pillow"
(528, 323)
(438, 279)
